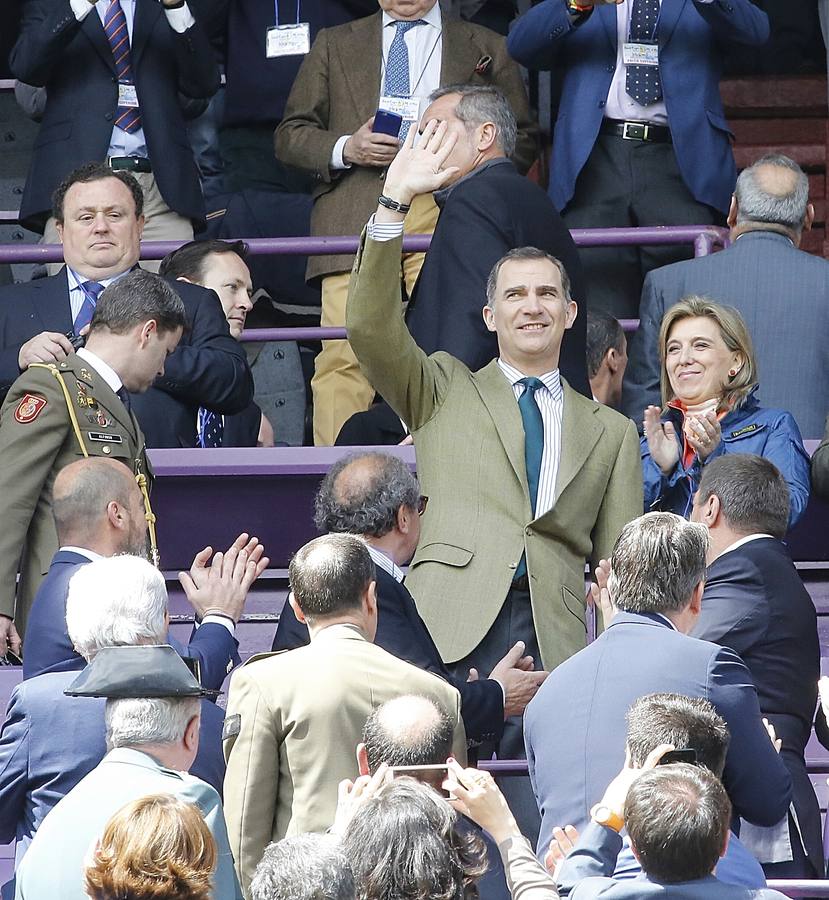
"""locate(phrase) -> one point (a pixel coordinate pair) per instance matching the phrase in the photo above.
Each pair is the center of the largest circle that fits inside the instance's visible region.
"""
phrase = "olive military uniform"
(52, 416)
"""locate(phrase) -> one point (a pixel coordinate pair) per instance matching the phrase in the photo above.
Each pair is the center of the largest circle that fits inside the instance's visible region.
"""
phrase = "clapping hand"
(599, 595)
(703, 433)
(662, 441)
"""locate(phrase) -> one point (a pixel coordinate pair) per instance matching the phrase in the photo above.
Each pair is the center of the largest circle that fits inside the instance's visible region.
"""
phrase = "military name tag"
(104, 438)
(640, 53)
(288, 40)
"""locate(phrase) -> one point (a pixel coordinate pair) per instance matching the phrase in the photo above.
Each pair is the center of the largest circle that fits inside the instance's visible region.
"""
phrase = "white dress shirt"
(105, 370)
(425, 47)
(122, 143)
(386, 563)
(550, 401)
(76, 294)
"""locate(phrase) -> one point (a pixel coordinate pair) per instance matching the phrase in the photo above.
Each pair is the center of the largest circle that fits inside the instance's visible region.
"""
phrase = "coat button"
(105, 449)
(108, 117)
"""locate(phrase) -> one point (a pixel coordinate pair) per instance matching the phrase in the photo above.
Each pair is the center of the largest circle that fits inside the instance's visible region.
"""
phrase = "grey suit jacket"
(586, 874)
(783, 295)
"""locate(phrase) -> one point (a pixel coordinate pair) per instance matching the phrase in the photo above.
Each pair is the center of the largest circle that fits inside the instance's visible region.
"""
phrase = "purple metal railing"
(703, 237)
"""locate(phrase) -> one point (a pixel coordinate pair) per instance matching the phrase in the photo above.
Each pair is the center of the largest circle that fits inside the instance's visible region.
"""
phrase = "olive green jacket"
(469, 438)
(37, 439)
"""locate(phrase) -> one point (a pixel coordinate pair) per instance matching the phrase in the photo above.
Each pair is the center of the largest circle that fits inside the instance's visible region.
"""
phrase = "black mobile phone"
(686, 755)
(10, 659)
(386, 122)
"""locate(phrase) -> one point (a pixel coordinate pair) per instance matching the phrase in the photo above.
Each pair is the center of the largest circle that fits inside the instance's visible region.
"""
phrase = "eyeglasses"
(422, 503)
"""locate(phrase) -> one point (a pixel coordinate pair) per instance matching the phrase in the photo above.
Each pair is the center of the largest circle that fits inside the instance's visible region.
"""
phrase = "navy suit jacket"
(489, 212)
(574, 727)
(49, 742)
(691, 35)
(242, 428)
(783, 295)
(401, 632)
(755, 604)
(74, 61)
(47, 647)
(208, 368)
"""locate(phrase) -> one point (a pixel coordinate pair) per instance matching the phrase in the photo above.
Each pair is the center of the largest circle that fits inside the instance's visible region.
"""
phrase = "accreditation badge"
(288, 40)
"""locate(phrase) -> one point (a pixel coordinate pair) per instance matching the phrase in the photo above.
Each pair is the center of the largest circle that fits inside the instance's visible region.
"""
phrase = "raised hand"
(420, 169)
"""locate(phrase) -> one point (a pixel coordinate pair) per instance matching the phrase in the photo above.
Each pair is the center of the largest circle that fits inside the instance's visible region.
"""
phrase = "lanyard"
(276, 12)
(422, 71)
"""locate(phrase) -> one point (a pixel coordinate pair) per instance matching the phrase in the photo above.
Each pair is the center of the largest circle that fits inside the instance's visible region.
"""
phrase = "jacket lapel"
(668, 17)
(51, 296)
(93, 28)
(498, 397)
(580, 432)
(364, 41)
(146, 14)
(459, 54)
(607, 16)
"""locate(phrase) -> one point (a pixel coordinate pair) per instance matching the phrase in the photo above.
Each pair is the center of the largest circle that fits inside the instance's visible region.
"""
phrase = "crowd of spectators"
(656, 713)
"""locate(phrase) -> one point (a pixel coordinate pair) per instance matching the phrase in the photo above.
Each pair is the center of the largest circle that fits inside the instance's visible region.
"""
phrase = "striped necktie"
(115, 25)
(91, 291)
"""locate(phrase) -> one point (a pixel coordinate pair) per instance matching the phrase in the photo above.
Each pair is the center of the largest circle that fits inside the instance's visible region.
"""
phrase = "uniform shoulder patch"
(29, 408)
(232, 726)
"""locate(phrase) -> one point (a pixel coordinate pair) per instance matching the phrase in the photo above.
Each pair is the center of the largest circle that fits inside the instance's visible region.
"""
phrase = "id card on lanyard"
(644, 51)
(287, 40)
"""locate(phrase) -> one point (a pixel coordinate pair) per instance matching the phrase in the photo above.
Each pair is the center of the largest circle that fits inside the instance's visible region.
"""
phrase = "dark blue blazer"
(491, 211)
(401, 632)
(242, 428)
(47, 648)
(574, 727)
(49, 742)
(208, 368)
(691, 35)
(755, 604)
(780, 291)
(74, 61)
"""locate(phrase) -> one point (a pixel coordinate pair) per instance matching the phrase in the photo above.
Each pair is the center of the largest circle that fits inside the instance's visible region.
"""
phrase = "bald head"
(773, 194)
(408, 731)
(330, 576)
(97, 505)
(362, 493)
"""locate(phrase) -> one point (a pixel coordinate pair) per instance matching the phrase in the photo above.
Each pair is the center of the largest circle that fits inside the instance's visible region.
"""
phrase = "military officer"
(58, 412)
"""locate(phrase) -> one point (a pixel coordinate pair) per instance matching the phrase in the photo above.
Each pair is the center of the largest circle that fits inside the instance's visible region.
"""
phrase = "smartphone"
(432, 775)
(386, 122)
(686, 755)
(10, 659)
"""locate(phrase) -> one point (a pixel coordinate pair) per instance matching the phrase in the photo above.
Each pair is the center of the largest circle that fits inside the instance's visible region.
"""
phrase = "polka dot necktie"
(397, 68)
(211, 428)
(115, 26)
(642, 82)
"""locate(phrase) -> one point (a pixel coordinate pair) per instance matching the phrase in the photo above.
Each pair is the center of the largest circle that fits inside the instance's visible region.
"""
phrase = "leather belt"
(637, 131)
(129, 163)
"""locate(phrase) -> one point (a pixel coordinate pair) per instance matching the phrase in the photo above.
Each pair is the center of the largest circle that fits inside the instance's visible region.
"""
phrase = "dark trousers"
(513, 623)
(250, 162)
(630, 183)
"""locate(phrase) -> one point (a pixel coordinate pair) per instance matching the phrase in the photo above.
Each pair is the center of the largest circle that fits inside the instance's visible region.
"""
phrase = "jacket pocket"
(749, 430)
(448, 554)
(575, 605)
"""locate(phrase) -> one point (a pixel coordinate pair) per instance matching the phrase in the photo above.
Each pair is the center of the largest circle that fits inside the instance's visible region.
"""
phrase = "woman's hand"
(474, 793)
(703, 433)
(662, 442)
(352, 794)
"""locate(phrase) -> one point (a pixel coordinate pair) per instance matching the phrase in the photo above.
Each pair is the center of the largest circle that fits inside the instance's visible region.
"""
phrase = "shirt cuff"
(226, 621)
(81, 8)
(337, 161)
(384, 231)
(180, 19)
(503, 691)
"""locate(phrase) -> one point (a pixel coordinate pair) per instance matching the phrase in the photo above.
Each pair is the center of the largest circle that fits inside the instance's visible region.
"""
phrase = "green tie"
(533, 445)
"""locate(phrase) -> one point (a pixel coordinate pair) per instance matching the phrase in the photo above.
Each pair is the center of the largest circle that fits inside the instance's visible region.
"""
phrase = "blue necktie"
(211, 428)
(91, 291)
(642, 82)
(397, 68)
(533, 445)
(115, 26)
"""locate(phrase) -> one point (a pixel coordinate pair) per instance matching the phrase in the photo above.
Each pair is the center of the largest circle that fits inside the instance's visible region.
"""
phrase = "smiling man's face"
(100, 232)
(530, 314)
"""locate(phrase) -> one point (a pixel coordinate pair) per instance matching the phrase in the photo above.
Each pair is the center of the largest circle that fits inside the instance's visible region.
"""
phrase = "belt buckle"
(635, 131)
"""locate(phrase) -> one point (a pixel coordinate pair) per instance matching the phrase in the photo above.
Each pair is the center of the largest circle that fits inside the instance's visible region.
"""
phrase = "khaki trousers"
(160, 223)
(338, 385)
